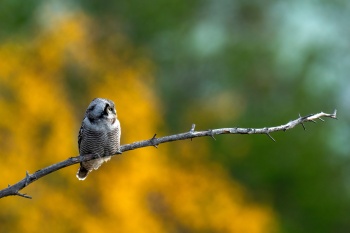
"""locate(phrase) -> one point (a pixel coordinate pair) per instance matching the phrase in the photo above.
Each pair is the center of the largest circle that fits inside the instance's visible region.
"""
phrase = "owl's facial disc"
(110, 113)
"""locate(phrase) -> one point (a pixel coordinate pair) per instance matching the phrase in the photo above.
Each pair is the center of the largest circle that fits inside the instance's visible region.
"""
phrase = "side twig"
(154, 141)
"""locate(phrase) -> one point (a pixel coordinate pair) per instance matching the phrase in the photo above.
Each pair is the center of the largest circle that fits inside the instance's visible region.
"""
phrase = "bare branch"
(154, 141)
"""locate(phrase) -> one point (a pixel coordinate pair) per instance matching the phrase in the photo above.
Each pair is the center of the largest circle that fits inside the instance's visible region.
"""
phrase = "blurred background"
(166, 65)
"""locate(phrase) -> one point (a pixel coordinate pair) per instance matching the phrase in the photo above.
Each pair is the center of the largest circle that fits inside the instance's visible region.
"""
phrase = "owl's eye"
(108, 110)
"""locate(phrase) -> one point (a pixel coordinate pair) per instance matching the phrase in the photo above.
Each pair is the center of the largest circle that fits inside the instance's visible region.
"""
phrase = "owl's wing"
(80, 135)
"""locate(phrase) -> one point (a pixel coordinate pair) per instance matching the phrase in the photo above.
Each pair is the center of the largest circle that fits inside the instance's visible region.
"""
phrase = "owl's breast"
(103, 143)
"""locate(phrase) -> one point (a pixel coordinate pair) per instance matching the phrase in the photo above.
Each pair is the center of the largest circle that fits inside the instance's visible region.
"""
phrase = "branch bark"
(154, 141)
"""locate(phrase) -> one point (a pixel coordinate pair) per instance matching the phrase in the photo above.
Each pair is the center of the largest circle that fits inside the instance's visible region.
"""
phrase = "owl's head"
(101, 109)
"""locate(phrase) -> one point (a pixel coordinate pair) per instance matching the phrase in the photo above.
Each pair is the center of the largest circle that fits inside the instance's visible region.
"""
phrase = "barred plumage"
(99, 134)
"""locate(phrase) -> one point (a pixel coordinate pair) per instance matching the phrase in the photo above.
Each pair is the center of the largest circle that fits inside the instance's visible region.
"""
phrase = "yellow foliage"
(140, 191)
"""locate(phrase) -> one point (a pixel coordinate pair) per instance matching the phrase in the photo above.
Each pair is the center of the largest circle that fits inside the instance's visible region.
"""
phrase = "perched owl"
(99, 134)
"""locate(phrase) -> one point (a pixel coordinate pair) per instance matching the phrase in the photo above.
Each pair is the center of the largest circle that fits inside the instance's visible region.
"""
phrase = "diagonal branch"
(154, 141)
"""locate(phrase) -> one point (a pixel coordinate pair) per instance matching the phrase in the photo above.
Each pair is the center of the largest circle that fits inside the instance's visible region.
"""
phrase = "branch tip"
(23, 195)
(152, 141)
(334, 115)
(192, 128)
(27, 178)
(211, 134)
(268, 134)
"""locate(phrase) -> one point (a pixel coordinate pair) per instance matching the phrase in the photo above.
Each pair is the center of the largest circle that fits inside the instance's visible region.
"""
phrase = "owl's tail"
(82, 173)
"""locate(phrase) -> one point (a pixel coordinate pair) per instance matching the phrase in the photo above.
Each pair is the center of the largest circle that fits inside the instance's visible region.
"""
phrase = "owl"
(99, 134)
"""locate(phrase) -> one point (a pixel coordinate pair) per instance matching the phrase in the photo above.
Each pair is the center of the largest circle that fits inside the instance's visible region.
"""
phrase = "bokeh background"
(168, 64)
